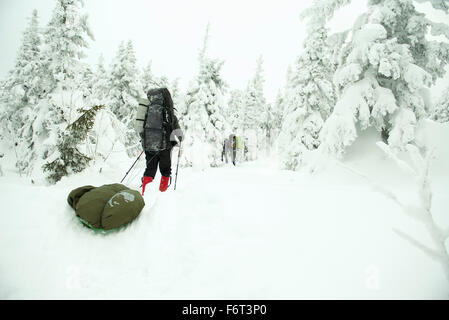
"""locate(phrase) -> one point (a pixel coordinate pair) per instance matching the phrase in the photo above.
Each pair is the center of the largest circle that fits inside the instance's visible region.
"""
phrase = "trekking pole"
(177, 166)
(132, 166)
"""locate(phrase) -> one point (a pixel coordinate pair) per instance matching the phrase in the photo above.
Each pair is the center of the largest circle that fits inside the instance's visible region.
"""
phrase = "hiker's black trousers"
(162, 158)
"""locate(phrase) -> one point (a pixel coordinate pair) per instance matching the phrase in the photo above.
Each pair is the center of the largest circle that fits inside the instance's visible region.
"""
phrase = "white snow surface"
(245, 232)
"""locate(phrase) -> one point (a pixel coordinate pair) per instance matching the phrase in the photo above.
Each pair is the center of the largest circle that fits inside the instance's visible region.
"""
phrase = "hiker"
(233, 141)
(224, 154)
(232, 147)
(159, 130)
(1, 171)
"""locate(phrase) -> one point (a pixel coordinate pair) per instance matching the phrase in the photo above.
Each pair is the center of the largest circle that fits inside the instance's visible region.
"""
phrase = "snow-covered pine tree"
(65, 41)
(441, 109)
(437, 4)
(288, 91)
(125, 89)
(386, 66)
(254, 110)
(124, 83)
(70, 159)
(148, 77)
(178, 97)
(149, 80)
(204, 122)
(175, 91)
(64, 44)
(22, 86)
(100, 84)
(235, 111)
(310, 93)
(107, 132)
(88, 83)
(20, 93)
(268, 128)
(278, 113)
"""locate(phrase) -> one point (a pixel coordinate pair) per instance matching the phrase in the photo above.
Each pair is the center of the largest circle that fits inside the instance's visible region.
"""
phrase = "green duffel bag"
(107, 207)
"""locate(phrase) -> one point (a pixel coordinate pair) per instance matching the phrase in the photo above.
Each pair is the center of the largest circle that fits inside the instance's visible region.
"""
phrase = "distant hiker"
(232, 145)
(224, 154)
(233, 141)
(159, 129)
(1, 171)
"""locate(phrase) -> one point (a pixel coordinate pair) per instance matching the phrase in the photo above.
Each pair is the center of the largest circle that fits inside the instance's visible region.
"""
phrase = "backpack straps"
(142, 119)
(141, 116)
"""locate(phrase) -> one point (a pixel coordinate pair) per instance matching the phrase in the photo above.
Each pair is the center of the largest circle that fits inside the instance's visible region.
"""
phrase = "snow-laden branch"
(431, 253)
(388, 193)
(439, 29)
(404, 166)
(437, 4)
(422, 213)
(440, 255)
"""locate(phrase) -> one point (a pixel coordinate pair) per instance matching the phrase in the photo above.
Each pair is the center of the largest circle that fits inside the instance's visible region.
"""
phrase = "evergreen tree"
(385, 67)
(148, 79)
(56, 73)
(65, 41)
(162, 82)
(437, 4)
(177, 96)
(124, 93)
(268, 127)
(236, 109)
(100, 85)
(441, 110)
(124, 84)
(64, 44)
(23, 84)
(254, 98)
(21, 92)
(69, 159)
(278, 112)
(253, 117)
(205, 122)
(310, 93)
(288, 92)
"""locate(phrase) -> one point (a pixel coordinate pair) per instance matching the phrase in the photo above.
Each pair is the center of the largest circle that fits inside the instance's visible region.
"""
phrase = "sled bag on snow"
(107, 207)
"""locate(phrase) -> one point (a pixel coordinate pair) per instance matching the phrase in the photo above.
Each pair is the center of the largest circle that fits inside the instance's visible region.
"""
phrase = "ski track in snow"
(250, 232)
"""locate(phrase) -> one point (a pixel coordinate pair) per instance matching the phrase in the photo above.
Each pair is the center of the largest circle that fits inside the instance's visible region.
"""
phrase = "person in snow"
(1, 171)
(233, 147)
(224, 154)
(159, 130)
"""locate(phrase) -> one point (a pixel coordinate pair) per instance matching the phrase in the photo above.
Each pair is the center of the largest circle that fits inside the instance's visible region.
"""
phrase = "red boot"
(145, 181)
(164, 183)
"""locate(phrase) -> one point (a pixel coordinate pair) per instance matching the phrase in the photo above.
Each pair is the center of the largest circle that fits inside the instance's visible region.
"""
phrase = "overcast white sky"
(170, 33)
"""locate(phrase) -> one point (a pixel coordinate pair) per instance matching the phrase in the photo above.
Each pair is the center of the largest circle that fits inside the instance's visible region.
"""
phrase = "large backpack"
(157, 124)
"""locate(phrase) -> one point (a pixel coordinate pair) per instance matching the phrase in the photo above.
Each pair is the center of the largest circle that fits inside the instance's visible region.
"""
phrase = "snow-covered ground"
(249, 232)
